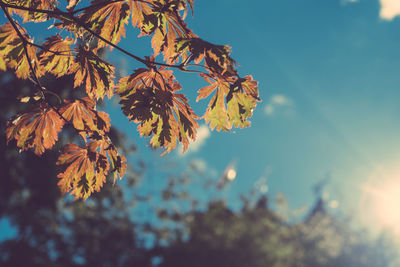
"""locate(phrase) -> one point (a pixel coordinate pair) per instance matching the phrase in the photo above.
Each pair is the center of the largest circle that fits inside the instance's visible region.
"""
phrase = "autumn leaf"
(12, 51)
(167, 24)
(216, 114)
(217, 58)
(232, 104)
(85, 118)
(85, 170)
(118, 162)
(139, 10)
(148, 98)
(107, 20)
(33, 4)
(94, 73)
(56, 57)
(36, 128)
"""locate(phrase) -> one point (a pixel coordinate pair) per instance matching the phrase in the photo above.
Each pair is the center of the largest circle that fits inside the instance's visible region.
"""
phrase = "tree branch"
(105, 3)
(70, 16)
(35, 78)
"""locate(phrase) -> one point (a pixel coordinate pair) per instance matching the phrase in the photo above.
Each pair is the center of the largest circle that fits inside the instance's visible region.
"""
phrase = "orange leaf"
(85, 170)
(92, 72)
(13, 52)
(148, 97)
(37, 128)
(85, 118)
(139, 10)
(34, 4)
(57, 57)
(217, 58)
(107, 20)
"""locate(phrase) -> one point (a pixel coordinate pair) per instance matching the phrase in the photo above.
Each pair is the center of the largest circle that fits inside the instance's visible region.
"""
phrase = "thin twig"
(70, 16)
(32, 70)
(105, 3)
(59, 53)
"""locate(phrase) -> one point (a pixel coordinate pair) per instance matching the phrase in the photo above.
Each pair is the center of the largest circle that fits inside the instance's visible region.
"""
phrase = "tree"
(53, 230)
(149, 96)
(257, 236)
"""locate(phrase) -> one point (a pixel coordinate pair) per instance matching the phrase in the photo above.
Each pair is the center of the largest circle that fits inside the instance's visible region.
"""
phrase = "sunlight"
(385, 203)
(231, 174)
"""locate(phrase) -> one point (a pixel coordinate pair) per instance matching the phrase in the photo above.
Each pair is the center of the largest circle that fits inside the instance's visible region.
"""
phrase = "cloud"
(389, 9)
(275, 102)
(203, 133)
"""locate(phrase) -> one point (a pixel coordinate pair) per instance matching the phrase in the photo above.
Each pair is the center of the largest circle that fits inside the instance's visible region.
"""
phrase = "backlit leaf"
(167, 24)
(118, 163)
(107, 20)
(13, 53)
(148, 98)
(85, 118)
(216, 57)
(37, 128)
(94, 73)
(57, 56)
(85, 170)
(139, 10)
(34, 4)
(233, 102)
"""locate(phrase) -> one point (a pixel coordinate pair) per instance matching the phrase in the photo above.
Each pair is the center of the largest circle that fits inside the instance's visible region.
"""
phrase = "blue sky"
(328, 73)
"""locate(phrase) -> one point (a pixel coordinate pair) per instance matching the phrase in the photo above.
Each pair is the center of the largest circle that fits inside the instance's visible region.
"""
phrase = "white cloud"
(389, 9)
(203, 133)
(275, 102)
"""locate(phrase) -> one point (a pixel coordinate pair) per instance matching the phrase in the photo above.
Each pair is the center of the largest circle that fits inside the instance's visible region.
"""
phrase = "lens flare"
(384, 203)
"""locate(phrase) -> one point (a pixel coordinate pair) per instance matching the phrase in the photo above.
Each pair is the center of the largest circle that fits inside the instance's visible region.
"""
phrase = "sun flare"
(384, 204)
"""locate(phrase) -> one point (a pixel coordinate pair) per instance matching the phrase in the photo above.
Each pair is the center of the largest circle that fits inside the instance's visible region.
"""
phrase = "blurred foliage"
(256, 236)
(104, 231)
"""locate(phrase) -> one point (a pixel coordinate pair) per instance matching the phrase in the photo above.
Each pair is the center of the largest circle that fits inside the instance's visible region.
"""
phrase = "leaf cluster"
(149, 96)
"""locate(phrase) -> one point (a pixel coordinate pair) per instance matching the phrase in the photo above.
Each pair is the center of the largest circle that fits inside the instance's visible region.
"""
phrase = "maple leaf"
(167, 25)
(232, 104)
(39, 128)
(107, 20)
(85, 170)
(57, 58)
(12, 51)
(85, 118)
(216, 57)
(93, 72)
(33, 4)
(139, 10)
(118, 162)
(148, 97)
